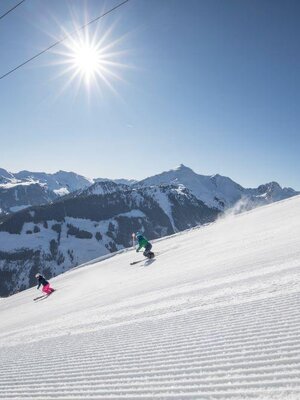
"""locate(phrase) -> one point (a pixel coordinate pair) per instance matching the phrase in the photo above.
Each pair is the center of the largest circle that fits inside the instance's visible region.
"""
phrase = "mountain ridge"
(216, 191)
(220, 191)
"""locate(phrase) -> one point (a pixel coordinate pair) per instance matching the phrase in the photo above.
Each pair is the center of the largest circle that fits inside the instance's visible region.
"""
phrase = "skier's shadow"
(149, 262)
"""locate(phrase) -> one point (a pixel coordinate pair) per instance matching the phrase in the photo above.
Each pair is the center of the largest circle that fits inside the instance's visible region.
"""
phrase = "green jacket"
(142, 243)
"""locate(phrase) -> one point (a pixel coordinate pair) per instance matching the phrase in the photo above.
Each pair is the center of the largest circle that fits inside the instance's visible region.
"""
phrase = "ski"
(145, 259)
(40, 297)
(136, 262)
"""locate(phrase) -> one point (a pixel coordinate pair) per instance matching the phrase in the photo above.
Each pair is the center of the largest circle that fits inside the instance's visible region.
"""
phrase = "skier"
(143, 242)
(46, 285)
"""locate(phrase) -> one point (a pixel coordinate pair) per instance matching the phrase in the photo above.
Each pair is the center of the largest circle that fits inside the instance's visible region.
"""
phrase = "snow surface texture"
(214, 316)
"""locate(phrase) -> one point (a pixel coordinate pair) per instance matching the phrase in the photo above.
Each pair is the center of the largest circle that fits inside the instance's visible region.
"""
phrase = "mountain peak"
(5, 174)
(270, 186)
(183, 167)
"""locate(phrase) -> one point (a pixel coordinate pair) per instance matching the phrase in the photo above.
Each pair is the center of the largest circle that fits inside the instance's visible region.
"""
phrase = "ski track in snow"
(217, 317)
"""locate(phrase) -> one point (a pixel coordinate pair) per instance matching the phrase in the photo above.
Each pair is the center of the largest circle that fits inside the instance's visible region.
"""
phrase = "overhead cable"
(7, 12)
(62, 39)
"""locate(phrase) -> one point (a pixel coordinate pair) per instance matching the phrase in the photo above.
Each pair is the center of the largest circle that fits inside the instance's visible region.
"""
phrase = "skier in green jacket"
(143, 243)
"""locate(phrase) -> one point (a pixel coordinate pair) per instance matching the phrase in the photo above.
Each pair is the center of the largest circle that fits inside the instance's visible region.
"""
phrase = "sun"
(86, 60)
(92, 61)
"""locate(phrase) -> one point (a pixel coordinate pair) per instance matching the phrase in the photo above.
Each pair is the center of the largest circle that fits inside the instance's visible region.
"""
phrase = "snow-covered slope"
(215, 316)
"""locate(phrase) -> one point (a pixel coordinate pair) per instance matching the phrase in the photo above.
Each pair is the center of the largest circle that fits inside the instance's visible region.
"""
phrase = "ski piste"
(214, 317)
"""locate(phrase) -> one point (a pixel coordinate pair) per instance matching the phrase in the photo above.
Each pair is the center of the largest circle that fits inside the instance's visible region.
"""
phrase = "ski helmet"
(138, 234)
(37, 275)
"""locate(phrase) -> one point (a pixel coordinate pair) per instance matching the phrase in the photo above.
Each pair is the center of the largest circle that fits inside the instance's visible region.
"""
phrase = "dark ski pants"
(147, 250)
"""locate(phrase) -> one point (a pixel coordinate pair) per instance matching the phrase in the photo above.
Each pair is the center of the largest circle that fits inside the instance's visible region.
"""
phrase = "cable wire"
(7, 12)
(64, 38)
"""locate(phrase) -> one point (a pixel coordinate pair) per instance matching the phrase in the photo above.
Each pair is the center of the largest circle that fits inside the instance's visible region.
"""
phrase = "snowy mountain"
(20, 190)
(95, 222)
(215, 316)
(5, 176)
(25, 188)
(127, 182)
(19, 197)
(274, 192)
(219, 191)
(215, 191)
(60, 182)
(102, 187)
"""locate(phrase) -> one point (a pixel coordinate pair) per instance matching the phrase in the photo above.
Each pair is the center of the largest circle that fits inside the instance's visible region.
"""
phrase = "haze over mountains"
(53, 222)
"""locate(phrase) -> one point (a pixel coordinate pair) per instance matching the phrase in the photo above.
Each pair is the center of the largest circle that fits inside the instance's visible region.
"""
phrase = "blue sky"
(212, 84)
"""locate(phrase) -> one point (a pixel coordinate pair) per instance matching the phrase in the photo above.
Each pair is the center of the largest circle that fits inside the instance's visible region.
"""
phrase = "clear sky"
(212, 84)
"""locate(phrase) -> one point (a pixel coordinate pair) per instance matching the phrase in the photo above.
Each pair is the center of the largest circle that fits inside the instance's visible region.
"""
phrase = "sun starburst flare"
(93, 62)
